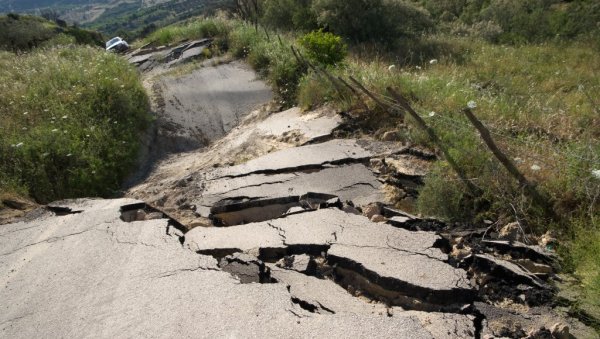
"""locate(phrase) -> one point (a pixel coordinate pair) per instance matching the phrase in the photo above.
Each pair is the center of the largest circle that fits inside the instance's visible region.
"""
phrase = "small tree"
(324, 47)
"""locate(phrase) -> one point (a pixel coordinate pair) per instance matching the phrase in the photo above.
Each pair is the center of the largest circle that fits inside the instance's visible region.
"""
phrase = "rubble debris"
(533, 322)
(519, 250)
(506, 270)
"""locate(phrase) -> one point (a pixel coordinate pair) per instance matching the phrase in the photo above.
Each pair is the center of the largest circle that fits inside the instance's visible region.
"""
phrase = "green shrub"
(324, 47)
(72, 119)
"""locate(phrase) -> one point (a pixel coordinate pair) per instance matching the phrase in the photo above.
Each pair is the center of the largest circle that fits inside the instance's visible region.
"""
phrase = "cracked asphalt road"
(91, 274)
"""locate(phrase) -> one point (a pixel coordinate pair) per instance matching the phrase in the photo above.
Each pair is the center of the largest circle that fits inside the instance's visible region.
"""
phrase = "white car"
(117, 44)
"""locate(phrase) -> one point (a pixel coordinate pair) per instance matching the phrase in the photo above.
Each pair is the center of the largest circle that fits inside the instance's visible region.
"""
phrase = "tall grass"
(71, 119)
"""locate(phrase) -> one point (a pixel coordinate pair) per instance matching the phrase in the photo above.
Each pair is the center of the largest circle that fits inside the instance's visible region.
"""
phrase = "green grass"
(71, 122)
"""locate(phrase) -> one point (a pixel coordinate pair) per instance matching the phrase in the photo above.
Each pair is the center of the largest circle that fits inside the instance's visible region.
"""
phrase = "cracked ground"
(275, 229)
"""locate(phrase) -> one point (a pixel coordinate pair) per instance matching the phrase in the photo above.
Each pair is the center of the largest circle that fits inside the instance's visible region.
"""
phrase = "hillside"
(25, 32)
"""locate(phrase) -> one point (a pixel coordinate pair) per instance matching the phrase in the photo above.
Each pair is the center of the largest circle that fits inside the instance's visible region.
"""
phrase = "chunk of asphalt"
(520, 250)
(246, 268)
(505, 270)
(398, 264)
(301, 263)
(315, 156)
(354, 182)
(325, 297)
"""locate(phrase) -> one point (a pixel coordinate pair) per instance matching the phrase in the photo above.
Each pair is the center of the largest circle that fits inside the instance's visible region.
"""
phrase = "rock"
(560, 331)
(539, 333)
(511, 232)
(391, 136)
(370, 210)
(378, 218)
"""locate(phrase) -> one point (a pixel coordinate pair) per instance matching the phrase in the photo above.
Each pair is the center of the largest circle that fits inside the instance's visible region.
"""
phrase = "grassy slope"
(71, 122)
(24, 32)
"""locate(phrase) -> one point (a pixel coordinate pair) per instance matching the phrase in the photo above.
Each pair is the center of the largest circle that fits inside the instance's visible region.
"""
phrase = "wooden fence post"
(508, 164)
(475, 191)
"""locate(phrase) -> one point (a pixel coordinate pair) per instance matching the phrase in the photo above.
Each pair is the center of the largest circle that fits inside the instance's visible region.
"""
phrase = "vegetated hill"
(133, 19)
(28, 5)
(24, 32)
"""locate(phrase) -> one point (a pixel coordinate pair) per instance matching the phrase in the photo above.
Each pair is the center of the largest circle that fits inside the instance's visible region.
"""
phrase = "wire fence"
(530, 145)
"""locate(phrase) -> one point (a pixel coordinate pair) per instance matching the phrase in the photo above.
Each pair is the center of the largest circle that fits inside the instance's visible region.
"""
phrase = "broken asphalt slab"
(403, 266)
(334, 167)
(90, 274)
(308, 157)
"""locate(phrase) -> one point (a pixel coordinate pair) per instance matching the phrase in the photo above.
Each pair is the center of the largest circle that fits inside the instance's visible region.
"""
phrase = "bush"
(72, 119)
(324, 47)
